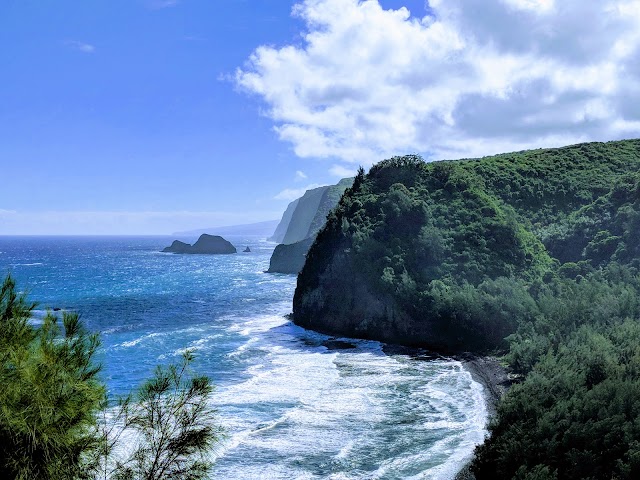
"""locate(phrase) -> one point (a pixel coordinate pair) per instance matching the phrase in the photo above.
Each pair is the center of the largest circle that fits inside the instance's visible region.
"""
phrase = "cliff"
(289, 258)
(330, 198)
(303, 218)
(206, 244)
(283, 225)
(534, 255)
(303, 215)
(434, 254)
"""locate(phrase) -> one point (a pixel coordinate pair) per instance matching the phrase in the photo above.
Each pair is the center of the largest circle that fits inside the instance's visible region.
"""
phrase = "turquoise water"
(292, 407)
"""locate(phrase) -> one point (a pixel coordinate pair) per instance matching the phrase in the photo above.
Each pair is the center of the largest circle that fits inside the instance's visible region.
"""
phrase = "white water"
(291, 407)
(308, 412)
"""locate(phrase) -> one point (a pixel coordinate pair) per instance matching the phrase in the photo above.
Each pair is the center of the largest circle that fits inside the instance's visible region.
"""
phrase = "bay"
(292, 407)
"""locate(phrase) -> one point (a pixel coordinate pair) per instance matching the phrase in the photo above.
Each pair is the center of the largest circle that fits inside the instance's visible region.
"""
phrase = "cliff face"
(281, 229)
(328, 201)
(307, 215)
(289, 258)
(303, 215)
(344, 303)
(438, 254)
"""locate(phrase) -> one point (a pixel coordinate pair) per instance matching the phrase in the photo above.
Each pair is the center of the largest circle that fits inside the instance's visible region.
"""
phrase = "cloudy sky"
(151, 116)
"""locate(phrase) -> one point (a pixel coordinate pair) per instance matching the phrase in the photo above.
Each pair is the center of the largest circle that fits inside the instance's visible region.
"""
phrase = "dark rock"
(56, 309)
(341, 302)
(332, 344)
(289, 258)
(247, 250)
(212, 244)
(178, 247)
(206, 244)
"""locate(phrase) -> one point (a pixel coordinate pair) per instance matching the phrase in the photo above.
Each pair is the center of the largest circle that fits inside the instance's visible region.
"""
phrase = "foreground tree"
(51, 398)
(165, 430)
(50, 391)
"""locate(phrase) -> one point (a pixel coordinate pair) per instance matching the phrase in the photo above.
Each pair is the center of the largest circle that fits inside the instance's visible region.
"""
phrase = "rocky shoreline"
(493, 376)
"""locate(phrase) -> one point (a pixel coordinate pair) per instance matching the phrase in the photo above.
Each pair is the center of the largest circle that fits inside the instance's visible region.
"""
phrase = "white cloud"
(293, 193)
(474, 77)
(342, 171)
(534, 6)
(81, 46)
(300, 175)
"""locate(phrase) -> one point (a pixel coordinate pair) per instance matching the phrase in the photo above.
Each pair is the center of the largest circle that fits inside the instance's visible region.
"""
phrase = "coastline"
(494, 378)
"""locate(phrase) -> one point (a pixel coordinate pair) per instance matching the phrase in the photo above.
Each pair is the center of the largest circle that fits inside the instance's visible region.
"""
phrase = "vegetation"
(534, 255)
(50, 393)
(167, 429)
(52, 397)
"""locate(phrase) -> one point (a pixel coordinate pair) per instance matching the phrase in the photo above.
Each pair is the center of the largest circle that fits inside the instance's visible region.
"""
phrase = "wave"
(348, 414)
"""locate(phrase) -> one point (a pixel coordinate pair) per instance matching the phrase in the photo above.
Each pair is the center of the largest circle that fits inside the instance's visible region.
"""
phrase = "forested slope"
(534, 255)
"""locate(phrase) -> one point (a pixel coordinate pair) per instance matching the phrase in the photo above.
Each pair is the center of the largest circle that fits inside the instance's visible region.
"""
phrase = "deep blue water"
(291, 407)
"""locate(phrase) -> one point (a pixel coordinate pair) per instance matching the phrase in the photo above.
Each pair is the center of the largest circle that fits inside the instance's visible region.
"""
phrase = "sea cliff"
(533, 255)
(300, 223)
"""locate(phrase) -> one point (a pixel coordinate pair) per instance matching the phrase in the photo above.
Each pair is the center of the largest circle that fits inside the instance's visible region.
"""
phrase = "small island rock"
(247, 250)
(206, 244)
(178, 247)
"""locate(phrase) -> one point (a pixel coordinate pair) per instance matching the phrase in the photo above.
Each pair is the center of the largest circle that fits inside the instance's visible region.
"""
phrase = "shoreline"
(487, 371)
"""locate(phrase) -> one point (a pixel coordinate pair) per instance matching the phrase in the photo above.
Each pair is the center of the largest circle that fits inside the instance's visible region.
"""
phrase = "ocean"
(292, 406)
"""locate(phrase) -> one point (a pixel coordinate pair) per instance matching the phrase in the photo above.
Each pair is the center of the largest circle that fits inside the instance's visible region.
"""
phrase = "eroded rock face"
(206, 244)
(289, 258)
(342, 303)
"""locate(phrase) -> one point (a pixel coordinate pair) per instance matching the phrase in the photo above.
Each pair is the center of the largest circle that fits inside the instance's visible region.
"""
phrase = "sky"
(155, 116)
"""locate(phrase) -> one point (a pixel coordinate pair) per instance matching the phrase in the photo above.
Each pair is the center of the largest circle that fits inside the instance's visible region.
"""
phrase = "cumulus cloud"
(293, 193)
(300, 175)
(470, 78)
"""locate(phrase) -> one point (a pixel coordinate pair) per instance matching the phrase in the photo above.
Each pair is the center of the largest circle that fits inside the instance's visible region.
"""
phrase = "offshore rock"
(206, 244)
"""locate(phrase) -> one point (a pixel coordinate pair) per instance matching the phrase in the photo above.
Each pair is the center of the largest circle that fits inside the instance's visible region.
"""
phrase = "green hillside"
(532, 255)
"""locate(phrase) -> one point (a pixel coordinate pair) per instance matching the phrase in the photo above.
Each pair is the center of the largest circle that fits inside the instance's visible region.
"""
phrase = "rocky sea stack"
(206, 244)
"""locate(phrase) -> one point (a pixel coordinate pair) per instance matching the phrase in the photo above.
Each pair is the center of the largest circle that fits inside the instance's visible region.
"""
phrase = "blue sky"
(152, 116)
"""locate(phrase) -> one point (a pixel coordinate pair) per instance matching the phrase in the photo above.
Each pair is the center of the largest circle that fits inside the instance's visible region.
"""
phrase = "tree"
(170, 423)
(50, 391)
(52, 396)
